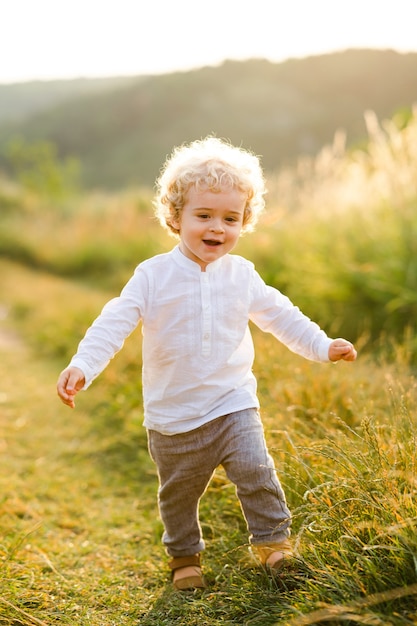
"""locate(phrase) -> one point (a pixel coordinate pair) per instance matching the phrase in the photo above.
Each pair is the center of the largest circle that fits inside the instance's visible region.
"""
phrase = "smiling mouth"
(212, 242)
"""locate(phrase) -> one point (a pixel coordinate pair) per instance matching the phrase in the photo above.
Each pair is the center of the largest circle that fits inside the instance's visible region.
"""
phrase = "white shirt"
(197, 347)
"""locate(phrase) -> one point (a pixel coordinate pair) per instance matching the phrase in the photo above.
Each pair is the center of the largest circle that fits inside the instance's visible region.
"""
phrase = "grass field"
(80, 533)
(80, 536)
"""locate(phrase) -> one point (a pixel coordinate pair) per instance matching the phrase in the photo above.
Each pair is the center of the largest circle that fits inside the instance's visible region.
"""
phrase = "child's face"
(210, 224)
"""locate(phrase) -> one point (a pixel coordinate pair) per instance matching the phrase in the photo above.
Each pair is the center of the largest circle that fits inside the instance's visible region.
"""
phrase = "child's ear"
(175, 221)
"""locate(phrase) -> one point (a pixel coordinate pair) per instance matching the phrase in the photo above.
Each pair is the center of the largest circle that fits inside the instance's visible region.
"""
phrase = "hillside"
(121, 135)
(19, 101)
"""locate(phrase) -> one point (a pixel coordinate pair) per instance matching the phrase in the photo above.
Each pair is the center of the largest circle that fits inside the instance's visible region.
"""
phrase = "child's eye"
(203, 216)
(231, 219)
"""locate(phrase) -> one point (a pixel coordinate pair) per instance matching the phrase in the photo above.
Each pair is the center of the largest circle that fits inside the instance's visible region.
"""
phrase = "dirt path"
(9, 339)
(13, 356)
(73, 497)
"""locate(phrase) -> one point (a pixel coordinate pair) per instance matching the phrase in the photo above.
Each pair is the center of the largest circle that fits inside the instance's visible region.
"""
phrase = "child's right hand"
(70, 381)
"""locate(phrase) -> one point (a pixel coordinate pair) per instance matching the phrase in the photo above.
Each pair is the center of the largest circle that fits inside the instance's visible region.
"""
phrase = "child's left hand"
(340, 349)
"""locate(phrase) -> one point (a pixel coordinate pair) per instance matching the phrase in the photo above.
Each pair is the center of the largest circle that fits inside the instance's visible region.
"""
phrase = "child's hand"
(70, 381)
(341, 349)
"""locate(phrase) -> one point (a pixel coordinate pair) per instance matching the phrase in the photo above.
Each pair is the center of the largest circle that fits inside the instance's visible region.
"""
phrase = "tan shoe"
(186, 573)
(273, 555)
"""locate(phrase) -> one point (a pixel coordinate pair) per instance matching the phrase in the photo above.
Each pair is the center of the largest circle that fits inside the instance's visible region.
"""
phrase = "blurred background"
(93, 96)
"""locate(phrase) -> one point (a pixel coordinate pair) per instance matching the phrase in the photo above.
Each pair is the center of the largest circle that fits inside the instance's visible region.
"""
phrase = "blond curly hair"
(209, 164)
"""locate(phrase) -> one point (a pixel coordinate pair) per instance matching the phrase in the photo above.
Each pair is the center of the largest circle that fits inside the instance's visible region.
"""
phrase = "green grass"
(80, 533)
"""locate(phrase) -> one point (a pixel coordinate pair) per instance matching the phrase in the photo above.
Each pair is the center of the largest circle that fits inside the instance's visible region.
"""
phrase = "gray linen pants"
(186, 463)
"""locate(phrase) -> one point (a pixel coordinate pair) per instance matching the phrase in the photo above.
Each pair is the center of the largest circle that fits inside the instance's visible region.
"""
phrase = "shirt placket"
(206, 314)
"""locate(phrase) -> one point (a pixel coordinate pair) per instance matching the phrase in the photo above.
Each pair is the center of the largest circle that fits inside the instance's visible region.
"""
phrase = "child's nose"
(217, 226)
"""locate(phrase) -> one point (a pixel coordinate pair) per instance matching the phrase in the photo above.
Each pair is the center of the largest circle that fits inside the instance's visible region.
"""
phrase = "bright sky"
(49, 39)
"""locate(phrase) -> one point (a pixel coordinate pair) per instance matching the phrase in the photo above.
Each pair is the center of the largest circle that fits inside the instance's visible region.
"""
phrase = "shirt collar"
(192, 266)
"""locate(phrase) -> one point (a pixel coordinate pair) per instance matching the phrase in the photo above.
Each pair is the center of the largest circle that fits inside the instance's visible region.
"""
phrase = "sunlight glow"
(48, 39)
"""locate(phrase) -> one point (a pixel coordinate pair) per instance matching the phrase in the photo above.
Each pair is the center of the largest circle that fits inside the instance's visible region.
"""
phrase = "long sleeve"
(273, 312)
(107, 334)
